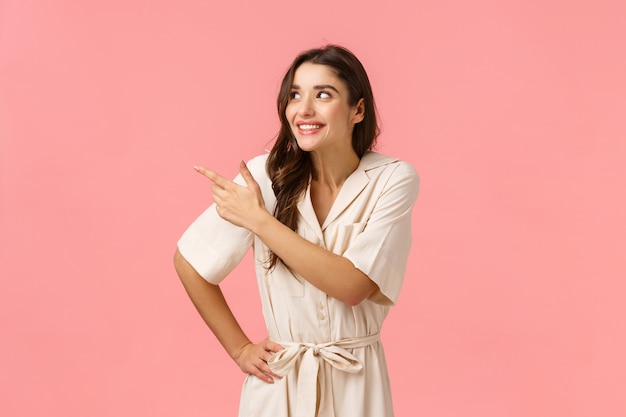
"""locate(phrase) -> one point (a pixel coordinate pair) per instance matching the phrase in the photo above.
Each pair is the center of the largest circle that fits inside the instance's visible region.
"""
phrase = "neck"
(332, 169)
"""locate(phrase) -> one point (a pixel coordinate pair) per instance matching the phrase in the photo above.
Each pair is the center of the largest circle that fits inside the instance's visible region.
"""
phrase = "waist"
(333, 352)
(346, 343)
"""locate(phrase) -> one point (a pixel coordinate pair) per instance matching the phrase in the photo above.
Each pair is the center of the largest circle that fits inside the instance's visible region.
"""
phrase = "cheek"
(289, 113)
(335, 114)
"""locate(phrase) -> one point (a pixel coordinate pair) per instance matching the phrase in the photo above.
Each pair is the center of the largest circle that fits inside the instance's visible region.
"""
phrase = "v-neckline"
(317, 214)
(351, 188)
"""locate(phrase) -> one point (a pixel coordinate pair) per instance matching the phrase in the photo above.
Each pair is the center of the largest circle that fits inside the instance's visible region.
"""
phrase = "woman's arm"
(210, 303)
(244, 206)
(331, 273)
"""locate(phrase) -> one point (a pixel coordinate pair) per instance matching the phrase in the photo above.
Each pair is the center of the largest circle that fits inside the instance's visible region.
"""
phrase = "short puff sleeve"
(214, 246)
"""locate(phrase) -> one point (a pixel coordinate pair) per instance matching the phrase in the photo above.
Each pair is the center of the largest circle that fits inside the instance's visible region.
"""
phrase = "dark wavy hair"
(291, 168)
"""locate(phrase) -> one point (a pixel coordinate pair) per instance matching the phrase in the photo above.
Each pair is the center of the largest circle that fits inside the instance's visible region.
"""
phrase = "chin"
(306, 148)
(305, 145)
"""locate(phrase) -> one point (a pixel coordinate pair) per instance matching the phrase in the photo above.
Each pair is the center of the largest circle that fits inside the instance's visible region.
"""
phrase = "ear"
(359, 112)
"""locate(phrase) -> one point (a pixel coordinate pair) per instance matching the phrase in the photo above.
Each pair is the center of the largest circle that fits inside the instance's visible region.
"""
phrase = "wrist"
(259, 221)
(237, 352)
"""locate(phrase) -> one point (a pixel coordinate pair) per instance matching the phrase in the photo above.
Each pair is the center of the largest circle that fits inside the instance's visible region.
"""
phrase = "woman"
(330, 224)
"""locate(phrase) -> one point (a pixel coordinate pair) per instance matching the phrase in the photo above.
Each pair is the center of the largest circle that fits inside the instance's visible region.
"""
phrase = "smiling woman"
(329, 223)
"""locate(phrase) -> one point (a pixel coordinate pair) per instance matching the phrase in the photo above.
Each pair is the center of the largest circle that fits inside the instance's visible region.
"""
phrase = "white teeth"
(309, 127)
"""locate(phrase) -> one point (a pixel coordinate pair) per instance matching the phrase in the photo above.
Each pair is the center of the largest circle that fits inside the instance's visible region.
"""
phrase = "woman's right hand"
(252, 359)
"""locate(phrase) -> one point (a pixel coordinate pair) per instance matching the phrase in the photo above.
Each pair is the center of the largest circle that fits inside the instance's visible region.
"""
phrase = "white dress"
(333, 363)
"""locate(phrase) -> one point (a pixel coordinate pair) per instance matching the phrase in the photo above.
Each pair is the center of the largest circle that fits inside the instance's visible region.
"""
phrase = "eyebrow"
(317, 87)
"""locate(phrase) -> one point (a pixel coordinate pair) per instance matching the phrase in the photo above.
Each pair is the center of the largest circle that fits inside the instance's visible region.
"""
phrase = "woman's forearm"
(331, 273)
(210, 303)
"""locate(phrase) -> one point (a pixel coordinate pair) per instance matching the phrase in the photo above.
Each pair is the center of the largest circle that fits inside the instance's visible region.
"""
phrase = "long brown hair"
(291, 168)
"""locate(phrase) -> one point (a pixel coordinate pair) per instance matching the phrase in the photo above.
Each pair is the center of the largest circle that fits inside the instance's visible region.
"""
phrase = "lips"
(309, 127)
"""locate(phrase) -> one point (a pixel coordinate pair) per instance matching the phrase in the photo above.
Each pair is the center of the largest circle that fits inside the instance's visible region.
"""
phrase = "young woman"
(330, 224)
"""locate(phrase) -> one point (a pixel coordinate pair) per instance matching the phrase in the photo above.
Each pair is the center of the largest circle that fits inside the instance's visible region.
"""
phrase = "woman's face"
(318, 110)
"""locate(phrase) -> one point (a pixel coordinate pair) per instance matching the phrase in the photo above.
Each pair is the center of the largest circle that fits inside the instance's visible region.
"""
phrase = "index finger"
(212, 175)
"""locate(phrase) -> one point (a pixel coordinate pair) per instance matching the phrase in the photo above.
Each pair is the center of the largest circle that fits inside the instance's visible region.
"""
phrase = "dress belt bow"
(310, 356)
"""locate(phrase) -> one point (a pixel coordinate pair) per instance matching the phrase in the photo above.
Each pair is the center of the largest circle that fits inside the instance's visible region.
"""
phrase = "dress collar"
(373, 160)
(350, 189)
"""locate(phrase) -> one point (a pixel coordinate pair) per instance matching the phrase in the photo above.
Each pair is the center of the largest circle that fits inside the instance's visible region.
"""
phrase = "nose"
(305, 107)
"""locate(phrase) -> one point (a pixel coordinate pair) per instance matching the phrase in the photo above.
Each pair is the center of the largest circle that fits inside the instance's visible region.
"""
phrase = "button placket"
(322, 312)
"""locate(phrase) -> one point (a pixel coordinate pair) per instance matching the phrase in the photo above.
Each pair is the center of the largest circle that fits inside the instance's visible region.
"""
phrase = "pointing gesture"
(242, 206)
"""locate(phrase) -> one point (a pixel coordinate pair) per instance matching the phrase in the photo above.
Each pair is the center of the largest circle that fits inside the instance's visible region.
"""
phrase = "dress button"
(321, 317)
(321, 305)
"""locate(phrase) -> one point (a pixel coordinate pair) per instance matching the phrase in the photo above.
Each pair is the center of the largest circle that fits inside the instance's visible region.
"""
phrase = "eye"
(294, 95)
(323, 94)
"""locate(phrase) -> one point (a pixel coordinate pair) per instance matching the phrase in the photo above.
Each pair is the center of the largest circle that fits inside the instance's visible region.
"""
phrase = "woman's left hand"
(242, 206)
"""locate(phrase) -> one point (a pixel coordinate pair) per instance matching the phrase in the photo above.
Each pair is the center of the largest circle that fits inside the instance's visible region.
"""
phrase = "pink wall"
(512, 112)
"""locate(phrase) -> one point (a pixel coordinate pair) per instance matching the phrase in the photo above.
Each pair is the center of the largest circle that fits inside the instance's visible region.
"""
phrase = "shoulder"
(394, 182)
(394, 169)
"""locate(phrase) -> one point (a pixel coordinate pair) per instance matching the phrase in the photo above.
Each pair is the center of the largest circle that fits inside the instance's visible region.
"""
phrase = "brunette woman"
(329, 221)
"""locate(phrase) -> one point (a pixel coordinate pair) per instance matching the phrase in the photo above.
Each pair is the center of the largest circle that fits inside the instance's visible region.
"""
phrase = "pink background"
(512, 112)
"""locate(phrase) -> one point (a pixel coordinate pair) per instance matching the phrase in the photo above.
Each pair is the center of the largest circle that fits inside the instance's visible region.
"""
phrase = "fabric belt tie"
(311, 355)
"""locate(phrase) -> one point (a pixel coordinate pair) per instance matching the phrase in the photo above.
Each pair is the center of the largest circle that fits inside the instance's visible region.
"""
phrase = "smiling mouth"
(307, 127)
